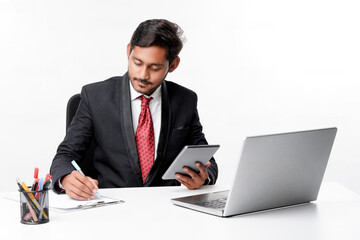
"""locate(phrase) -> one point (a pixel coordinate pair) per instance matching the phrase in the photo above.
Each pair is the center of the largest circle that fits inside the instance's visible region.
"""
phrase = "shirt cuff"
(207, 181)
(59, 184)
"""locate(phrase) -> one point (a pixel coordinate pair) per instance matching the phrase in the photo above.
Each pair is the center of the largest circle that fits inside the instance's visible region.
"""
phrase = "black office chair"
(86, 163)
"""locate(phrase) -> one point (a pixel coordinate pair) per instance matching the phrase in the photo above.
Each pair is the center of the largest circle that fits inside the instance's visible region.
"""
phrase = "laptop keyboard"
(216, 204)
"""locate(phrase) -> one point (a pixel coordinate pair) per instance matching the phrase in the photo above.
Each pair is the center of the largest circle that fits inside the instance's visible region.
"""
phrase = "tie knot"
(144, 101)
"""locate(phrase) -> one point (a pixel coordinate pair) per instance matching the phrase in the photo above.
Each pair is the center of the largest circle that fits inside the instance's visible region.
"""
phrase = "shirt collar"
(134, 94)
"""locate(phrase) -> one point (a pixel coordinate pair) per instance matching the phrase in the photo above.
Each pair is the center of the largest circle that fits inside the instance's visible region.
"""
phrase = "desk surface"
(148, 214)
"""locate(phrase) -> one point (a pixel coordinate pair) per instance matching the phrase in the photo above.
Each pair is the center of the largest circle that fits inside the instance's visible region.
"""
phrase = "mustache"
(142, 80)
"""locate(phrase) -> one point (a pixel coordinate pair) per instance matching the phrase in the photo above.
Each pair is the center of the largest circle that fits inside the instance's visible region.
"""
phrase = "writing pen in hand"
(76, 166)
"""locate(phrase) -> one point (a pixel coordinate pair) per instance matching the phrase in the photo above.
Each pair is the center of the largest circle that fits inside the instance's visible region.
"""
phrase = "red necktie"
(145, 138)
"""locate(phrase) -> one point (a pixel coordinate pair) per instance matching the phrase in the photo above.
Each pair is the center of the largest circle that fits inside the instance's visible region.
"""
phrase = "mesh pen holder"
(34, 207)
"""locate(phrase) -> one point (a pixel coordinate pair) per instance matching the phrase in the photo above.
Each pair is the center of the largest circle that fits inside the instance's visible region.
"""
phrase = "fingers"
(207, 164)
(94, 182)
(186, 184)
(196, 179)
(79, 187)
(202, 170)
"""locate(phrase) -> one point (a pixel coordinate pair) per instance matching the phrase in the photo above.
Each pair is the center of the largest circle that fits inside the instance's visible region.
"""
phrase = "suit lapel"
(127, 125)
(165, 121)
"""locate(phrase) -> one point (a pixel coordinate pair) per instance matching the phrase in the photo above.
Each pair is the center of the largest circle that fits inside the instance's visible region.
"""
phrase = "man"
(139, 122)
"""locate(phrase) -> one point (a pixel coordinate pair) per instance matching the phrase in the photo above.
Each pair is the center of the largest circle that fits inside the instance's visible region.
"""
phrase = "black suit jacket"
(104, 114)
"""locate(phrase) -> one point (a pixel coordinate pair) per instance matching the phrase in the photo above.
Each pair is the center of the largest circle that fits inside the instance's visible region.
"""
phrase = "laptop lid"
(280, 170)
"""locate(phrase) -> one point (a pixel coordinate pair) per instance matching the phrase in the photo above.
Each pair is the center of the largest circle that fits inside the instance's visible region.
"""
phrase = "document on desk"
(64, 203)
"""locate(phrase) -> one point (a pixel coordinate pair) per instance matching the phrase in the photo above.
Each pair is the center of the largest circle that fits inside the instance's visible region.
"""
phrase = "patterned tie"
(145, 138)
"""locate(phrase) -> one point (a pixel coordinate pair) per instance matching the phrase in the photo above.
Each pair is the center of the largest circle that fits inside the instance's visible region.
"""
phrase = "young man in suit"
(139, 122)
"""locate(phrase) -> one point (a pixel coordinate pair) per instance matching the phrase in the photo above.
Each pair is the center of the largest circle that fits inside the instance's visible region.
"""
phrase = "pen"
(46, 184)
(35, 184)
(47, 181)
(76, 166)
(48, 177)
(41, 184)
(36, 179)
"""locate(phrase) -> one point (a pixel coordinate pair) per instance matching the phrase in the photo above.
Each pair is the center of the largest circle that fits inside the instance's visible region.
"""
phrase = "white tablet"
(188, 156)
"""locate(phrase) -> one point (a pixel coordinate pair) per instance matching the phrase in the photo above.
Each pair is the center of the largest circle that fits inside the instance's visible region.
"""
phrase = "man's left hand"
(196, 179)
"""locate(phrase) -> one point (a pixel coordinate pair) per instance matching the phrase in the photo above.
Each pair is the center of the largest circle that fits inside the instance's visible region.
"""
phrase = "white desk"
(148, 214)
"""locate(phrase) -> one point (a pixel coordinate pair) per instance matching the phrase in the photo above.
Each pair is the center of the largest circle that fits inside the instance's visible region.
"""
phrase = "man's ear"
(174, 64)
(128, 50)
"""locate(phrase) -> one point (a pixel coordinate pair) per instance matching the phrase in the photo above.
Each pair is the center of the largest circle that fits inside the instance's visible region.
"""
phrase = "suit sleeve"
(197, 137)
(75, 142)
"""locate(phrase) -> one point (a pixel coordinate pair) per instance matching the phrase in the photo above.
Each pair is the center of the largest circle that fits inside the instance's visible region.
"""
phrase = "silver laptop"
(274, 171)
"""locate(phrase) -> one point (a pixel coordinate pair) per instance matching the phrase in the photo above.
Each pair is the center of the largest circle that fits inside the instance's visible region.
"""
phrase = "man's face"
(148, 68)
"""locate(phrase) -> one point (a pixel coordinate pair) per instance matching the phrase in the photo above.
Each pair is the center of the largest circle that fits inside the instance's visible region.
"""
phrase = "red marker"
(48, 177)
(36, 173)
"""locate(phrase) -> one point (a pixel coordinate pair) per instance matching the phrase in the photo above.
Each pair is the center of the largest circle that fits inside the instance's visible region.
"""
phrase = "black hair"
(159, 32)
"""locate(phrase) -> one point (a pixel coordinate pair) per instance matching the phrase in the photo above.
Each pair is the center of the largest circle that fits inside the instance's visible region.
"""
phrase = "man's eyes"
(137, 63)
(152, 67)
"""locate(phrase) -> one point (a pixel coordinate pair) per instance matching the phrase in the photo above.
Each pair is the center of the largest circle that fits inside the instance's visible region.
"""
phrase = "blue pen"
(41, 184)
(76, 166)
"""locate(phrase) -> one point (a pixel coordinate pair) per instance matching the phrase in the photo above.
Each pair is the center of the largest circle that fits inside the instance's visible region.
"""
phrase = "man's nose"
(144, 73)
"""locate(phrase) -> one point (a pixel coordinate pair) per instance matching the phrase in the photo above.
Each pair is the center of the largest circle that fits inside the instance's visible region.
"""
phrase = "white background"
(257, 66)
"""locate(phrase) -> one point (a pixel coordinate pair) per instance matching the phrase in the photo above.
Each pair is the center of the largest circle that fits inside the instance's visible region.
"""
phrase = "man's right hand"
(79, 187)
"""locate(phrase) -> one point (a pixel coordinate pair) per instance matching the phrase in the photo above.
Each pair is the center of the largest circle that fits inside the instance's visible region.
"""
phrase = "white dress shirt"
(155, 110)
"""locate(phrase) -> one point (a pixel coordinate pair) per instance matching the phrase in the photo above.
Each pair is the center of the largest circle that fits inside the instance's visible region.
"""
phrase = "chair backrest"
(86, 163)
(72, 106)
